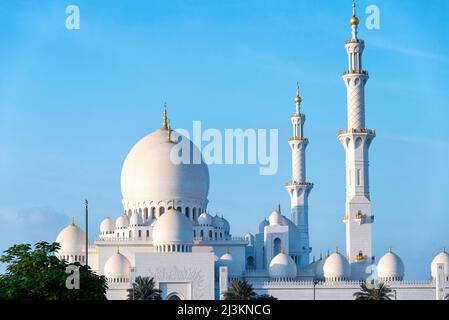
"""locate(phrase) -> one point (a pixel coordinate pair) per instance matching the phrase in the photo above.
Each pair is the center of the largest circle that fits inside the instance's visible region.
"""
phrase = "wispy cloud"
(412, 52)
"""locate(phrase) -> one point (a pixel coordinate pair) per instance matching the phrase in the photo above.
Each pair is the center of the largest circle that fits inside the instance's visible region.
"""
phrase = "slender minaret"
(356, 141)
(299, 189)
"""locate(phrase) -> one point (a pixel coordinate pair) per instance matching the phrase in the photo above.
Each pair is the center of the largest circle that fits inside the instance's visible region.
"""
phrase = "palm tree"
(240, 290)
(144, 289)
(378, 291)
(265, 297)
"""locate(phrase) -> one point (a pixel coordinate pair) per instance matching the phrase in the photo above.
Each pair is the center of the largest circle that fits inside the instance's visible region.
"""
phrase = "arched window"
(201, 233)
(187, 212)
(250, 263)
(161, 211)
(153, 213)
(148, 233)
(129, 212)
(194, 233)
(145, 213)
(216, 235)
(194, 213)
(277, 246)
(130, 234)
(140, 233)
(210, 234)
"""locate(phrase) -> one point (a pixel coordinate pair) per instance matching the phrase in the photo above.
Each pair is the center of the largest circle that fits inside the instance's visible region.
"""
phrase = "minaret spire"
(298, 188)
(356, 140)
(164, 119)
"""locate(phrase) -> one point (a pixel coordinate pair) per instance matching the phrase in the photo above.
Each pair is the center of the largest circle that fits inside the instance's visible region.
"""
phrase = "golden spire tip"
(164, 120)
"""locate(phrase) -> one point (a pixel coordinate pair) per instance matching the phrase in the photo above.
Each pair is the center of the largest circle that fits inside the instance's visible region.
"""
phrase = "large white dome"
(336, 268)
(282, 266)
(442, 258)
(390, 267)
(117, 266)
(149, 174)
(172, 228)
(72, 239)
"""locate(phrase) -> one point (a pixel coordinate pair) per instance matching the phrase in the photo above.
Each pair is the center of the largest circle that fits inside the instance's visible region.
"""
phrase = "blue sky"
(72, 104)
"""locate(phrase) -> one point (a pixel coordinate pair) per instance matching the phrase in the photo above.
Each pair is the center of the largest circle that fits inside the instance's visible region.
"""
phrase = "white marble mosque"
(166, 232)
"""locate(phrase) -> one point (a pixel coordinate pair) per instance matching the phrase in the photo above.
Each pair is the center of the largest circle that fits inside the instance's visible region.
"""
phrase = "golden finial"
(73, 221)
(354, 21)
(390, 250)
(164, 120)
(321, 256)
(336, 248)
(169, 132)
(279, 208)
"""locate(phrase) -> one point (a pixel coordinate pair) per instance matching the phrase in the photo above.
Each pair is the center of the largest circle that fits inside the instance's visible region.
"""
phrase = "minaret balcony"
(354, 41)
(298, 139)
(363, 218)
(356, 72)
(357, 130)
(298, 183)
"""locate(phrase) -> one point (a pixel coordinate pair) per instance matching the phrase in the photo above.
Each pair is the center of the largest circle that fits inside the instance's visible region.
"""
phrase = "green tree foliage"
(243, 290)
(37, 274)
(144, 288)
(378, 291)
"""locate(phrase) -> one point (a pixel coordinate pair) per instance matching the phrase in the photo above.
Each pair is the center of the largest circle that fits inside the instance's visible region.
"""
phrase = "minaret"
(299, 189)
(356, 141)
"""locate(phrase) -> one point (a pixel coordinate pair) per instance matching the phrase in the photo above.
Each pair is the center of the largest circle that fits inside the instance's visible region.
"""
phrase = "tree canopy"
(37, 274)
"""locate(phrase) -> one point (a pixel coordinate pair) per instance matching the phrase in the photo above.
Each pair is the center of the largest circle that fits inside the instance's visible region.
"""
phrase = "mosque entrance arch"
(174, 296)
(277, 246)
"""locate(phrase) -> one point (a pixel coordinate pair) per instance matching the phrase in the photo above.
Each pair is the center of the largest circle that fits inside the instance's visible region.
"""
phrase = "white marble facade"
(165, 231)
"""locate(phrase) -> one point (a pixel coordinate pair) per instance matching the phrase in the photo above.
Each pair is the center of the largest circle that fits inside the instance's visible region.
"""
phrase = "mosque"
(166, 233)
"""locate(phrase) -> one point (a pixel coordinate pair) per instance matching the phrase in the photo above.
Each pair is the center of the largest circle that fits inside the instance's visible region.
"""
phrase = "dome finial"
(73, 221)
(336, 248)
(164, 119)
(174, 204)
(390, 250)
(279, 207)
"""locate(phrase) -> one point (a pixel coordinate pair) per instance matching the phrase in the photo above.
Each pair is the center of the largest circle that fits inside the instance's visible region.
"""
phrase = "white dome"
(135, 220)
(117, 266)
(72, 239)
(262, 225)
(226, 257)
(172, 227)
(217, 222)
(122, 222)
(390, 267)
(205, 219)
(443, 258)
(275, 218)
(149, 174)
(336, 268)
(107, 225)
(282, 266)
(250, 238)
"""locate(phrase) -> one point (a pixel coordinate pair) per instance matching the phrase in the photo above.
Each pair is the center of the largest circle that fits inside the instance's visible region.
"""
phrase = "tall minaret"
(356, 141)
(299, 189)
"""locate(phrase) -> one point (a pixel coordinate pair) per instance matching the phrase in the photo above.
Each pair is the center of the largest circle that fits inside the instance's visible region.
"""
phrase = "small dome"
(442, 258)
(390, 267)
(117, 266)
(205, 219)
(319, 269)
(107, 225)
(275, 218)
(217, 222)
(135, 220)
(336, 268)
(226, 257)
(262, 225)
(172, 227)
(72, 239)
(282, 266)
(122, 222)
